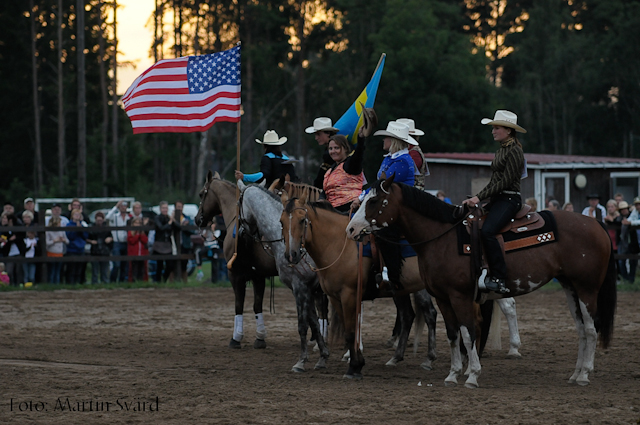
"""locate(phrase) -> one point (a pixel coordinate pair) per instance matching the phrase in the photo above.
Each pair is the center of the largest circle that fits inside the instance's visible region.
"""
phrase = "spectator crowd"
(65, 236)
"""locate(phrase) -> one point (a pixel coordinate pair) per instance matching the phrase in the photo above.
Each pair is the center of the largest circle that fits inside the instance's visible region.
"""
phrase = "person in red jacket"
(137, 246)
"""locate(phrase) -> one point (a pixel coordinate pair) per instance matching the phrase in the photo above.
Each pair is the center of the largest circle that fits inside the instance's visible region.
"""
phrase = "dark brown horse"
(318, 230)
(581, 259)
(252, 263)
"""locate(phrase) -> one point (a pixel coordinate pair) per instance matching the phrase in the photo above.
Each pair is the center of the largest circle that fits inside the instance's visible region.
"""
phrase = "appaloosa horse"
(252, 263)
(581, 259)
(260, 212)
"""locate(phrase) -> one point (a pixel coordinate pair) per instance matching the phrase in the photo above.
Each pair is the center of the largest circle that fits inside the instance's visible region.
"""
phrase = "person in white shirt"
(594, 209)
(29, 269)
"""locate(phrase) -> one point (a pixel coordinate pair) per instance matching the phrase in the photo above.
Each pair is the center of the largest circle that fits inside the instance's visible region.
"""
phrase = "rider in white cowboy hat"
(399, 163)
(503, 191)
(416, 153)
(274, 163)
(323, 129)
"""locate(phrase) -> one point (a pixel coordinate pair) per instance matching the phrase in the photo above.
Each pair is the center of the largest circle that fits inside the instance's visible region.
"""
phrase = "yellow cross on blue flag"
(351, 121)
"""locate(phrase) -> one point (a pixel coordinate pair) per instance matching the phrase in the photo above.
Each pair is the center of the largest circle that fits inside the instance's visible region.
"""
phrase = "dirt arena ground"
(79, 357)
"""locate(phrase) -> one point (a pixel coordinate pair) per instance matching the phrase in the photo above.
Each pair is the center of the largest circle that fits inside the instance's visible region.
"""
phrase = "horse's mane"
(322, 204)
(424, 203)
(296, 190)
(268, 192)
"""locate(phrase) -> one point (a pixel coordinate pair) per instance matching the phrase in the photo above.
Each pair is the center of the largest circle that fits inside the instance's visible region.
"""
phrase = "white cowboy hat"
(412, 126)
(271, 138)
(398, 131)
(321, 124)
(505, 119)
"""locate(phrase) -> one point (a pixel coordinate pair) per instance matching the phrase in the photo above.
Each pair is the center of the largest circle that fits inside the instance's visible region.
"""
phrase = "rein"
(304, 236)
(426, 241)
(385, 202)
(257, 237)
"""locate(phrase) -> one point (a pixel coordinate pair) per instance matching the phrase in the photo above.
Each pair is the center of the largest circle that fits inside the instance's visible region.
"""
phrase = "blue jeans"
(99, 272)
(54, 272)
(29, 272)
(502, 209)
(120, 267)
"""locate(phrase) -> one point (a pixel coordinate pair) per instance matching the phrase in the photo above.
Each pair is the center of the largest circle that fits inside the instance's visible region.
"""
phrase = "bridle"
(256, 236)
(303, 237)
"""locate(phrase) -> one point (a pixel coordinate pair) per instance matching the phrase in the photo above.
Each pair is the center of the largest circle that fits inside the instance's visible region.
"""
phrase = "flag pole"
(237, 230)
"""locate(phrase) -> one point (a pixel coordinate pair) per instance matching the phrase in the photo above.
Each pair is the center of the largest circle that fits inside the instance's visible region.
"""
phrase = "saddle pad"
(407, 250)
(516, 241)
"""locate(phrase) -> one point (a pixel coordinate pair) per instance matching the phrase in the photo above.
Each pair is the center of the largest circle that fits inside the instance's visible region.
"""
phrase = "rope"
(346, 238)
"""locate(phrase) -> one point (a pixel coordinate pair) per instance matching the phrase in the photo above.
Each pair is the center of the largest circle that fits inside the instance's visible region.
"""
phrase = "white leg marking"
(456, 363)
(508, 307)
(582, 340)
(474, 360)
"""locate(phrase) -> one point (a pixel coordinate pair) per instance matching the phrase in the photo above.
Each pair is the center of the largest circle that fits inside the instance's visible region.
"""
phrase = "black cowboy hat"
(593, 196)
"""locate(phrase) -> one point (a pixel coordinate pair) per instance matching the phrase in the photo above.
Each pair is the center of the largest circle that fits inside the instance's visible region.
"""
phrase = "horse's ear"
(216, 175)
(287, 177)
(284, 197)
(383, 175)
(241, 186)
(386, 185)
(304, 197)
(209, 176)
(263, 183)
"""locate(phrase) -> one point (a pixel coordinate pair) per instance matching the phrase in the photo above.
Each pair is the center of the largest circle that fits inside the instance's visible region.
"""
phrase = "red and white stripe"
(159, 101)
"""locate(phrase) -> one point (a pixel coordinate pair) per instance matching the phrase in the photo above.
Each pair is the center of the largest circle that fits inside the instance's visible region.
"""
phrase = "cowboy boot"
(496, 285)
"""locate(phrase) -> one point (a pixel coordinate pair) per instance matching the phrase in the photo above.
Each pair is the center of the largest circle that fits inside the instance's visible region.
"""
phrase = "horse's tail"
(336, 329)
(419, 322)
(486, 311)
(607, 299)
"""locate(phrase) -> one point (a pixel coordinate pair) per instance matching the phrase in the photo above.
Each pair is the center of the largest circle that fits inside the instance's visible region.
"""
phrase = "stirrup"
(496, 285)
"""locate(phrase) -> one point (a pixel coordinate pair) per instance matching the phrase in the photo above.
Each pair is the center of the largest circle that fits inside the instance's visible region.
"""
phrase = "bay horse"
(252, 263)
(581, 259)
(317, 229)
(260, 212)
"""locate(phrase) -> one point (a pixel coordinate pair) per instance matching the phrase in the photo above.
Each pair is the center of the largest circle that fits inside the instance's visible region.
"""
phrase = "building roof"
(536, 160)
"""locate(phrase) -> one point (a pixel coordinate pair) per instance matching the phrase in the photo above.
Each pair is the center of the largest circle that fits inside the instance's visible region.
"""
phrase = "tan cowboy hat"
(636, 200)
(622, 205)
(321, 124)
(271, 138)
(505, 119)
(398, 131)
(412, 126)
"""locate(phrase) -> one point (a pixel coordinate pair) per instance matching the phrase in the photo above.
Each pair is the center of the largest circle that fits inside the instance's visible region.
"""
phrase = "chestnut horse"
(581, 259)
(317, 229)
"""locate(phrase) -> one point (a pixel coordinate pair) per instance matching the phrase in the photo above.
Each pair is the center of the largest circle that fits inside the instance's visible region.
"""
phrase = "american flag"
(186, 94)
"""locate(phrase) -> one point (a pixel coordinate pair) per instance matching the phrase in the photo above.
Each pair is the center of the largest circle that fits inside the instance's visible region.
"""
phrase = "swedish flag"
(351, 121)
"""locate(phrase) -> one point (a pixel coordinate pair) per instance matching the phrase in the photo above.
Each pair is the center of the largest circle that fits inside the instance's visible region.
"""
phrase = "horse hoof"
(259, 344)
(355, 376)
(471, 385)
(515, 355)
(297, 369)
(450, 384)
(392, 362)
(426, 366)
(583, 382)
(234, 344)
(320, 366)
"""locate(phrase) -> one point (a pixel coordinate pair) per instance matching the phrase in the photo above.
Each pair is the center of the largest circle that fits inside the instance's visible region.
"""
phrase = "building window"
(626, 183)
(555, 186)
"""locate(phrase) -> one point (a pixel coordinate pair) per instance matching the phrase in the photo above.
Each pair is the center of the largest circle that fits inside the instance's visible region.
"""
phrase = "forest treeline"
(570, 69)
